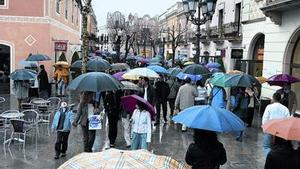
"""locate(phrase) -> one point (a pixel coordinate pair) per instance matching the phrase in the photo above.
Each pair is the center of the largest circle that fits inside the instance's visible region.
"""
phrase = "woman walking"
(206, 152)
(141, 127)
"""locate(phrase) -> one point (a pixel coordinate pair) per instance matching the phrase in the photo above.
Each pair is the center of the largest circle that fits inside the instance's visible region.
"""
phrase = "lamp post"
(118, 45)
(204, 7)
(163, 39)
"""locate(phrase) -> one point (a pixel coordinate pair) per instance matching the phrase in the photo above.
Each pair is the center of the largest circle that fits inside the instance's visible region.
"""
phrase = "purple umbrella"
(213, 65)
(119, 75)
(129, 103)
(281, 79)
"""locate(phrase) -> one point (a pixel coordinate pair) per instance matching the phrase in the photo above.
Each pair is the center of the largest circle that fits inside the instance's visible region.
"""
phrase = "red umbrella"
(129, 103)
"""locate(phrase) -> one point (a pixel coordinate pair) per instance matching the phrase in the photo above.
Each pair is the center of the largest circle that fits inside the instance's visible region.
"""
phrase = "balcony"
(275, 8)
(232, 32)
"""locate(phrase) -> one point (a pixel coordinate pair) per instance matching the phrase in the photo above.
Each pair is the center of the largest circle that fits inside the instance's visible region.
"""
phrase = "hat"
(63, 104)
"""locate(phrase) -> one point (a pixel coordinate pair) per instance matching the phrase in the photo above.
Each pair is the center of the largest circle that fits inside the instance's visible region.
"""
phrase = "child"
(141, 127)
(62, 124)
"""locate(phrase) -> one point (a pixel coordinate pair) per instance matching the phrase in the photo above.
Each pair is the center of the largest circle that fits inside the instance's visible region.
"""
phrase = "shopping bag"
(95, 122)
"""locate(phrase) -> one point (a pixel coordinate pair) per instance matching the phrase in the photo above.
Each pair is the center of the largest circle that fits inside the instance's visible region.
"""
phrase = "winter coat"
(174, 87)
(211, 158)
(162, 91)
(43, 80)
(150, 94)
(218, 97)
(82, 114)
(241, 106)
(186, 96)
(69, 117)
(282, 157)
(61, 74)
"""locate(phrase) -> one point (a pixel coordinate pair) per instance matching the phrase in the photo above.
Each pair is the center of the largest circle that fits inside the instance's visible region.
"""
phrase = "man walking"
(43, 83)
(288, 98)
(273, 111)
(174, 87)
(162, 91)
(186, 97)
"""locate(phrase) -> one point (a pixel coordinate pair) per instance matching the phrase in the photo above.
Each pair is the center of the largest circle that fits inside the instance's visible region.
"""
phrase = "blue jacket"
(69, 118)
(218, 97)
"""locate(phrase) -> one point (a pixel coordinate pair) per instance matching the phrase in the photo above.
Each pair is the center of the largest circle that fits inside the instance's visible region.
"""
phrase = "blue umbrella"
(194, 78)
(22, 74)
(38, 57)
(98, 65)
(210, 118)
(158, 69)
(95, 82)
(213, 65)
(174, 71)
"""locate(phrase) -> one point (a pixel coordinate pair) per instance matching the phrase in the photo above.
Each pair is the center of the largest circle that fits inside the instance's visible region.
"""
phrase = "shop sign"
(60, 46)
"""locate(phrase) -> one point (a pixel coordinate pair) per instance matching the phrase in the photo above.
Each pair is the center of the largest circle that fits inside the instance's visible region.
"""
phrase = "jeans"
(139, 141)
(165, 110)
(172, 105)
(61, 88)
(88, 138)
(61, 144)
(267, 141)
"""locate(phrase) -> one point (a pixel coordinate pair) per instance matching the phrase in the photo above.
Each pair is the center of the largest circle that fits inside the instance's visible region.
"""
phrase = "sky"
(141, 7)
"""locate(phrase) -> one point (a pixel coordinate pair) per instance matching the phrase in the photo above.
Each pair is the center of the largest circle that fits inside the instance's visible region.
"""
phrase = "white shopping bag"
(95, 122)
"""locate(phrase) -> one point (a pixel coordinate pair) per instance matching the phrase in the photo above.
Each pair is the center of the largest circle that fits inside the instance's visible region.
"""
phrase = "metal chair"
(44, 116)
(26, 106)
(54, 103)
(2, 101)
(36, 99)
(31, 117)
(4, 124)
(21, 128)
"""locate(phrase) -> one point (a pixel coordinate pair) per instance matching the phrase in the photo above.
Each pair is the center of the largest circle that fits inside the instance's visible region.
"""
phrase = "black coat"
(162, 91)
(210, 158)
(282, 157)
(43, 80)
(112, 103)
(150, 94)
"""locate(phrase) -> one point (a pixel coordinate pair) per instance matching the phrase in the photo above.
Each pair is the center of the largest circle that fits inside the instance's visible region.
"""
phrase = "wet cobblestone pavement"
(167, 140)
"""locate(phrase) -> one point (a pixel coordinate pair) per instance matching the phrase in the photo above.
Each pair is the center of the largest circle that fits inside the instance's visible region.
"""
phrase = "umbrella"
(241, 80)
(119, 75)
(281, 79)
(120, 66)
(38, 57)
(189, 63)
(130, 86)
(142, 60)
(121, 159)
(62, 63)
(136, 73)
(287, 128)
(219, 79)
(213, 65)
(183, 76)
(129, 58)
(98, 65)
(158, 69)
(174, 71)
(129, 103)
(261, 79)
(95, 82)
(76, 65)
(22, 74)
(210, 118)
(29, 64)
(196, 69)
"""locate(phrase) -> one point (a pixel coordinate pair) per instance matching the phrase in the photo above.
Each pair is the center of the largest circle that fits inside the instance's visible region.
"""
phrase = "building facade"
(272, 41)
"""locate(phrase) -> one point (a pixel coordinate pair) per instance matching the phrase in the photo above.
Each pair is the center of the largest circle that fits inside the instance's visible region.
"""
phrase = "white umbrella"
(136, 73)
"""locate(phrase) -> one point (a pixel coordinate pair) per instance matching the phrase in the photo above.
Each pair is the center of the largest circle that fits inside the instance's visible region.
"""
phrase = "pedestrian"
(282, 156)
(174, 86)
(253, 93)
(86, 108)
(241, 108)
(126, 122)
(61, 76)
(218, 97)
(206, 152)
(288, 98)
(185, 97)
(21, 89)
(273, 111)
(201, 99)
(148, 92)
(141, 127)
(162, 91)
(112, 109)
(43, 83)
(62, 123)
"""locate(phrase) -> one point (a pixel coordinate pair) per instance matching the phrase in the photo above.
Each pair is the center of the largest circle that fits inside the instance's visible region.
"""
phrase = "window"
(2, 2)
(58, 6)
(66, 9)
(73, 10)
(221, 18)
(238, 13)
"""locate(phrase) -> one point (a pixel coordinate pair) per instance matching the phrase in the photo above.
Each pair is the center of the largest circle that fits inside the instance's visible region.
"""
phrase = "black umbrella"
(22, 74)
(196, 69)
(98, 65)
(120, 66)
(38, 57)
(95, 82)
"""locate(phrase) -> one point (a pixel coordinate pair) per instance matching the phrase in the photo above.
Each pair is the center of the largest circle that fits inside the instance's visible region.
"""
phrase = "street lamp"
(204, 7)
(163, 39)
(118, 45)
